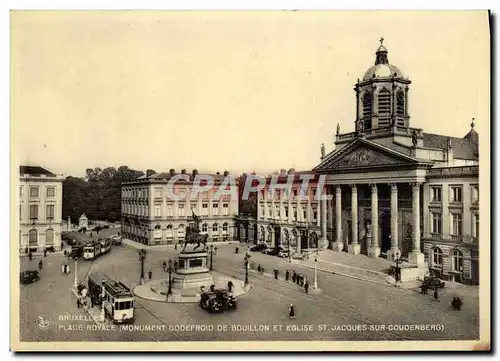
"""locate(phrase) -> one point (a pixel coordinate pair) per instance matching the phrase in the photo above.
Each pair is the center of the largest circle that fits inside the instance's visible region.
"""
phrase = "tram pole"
(75, 282)
(102, 301)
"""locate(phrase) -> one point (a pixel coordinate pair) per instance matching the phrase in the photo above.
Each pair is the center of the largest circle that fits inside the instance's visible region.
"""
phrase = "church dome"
(382, 68)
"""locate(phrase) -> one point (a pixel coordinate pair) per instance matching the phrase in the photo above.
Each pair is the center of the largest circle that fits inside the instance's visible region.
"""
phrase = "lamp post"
(142, 258)
(396, 257)
(75, 282)
(169, 277)
(315, 286)
(212, 252)
(247, 256)
(103, 295)
(289, 249)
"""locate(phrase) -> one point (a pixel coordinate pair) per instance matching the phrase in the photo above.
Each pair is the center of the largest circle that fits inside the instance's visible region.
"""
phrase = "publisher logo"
(43, 322)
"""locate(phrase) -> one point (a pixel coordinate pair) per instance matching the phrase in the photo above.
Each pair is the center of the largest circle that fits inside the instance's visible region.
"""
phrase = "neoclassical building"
(151, 217)
(398, 188)
(40, 209)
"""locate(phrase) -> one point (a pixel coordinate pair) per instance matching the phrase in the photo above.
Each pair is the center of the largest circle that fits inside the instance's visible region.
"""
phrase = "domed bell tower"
(382, 96)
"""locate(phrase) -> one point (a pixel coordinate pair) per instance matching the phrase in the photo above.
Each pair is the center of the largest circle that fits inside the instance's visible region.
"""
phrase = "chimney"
(218, 173)
(226, 173)
(183, 171)
(291, 171)
(283, 171)
(195, 172)
(172, 172)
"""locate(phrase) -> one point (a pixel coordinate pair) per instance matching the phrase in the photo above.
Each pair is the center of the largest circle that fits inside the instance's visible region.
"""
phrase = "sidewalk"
(164, 247)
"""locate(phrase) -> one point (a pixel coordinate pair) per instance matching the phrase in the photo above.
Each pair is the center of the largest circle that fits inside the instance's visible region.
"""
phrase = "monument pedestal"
(192, 271)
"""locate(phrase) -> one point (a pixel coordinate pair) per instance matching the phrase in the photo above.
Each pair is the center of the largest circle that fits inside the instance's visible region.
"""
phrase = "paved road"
(345, 309)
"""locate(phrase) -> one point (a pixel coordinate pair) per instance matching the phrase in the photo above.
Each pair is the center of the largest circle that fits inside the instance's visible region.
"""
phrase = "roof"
(382, 71)
(34, 170)
(462, 148)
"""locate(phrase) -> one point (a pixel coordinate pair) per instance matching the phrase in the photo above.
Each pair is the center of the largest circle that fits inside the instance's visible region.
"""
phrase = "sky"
(238, 91)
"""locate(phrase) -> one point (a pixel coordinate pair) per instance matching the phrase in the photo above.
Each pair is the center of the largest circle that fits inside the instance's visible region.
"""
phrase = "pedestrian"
(459, 303)
(30, 256)
(291, 312)
(236, 250)
(77, 303)
(262, 270)
(164, 264)
(90, 234)
(63, 269)
(306, 287)
(150, 274)
(287, 275)
(302, 281)
(258, 268)
(176, 265)
(40, 264)
(215, 249)
(294, 277)
(65, 252)
(436, 298)
(175, 247)
(276, 274)
(230, 286)
(212, 288)
(45, 252)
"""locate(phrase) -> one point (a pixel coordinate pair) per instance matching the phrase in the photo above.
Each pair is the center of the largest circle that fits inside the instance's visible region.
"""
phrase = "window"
(204, 209)
(457, 260)
(456, 224)
(34, 192)
(367, 105)
(180, 231)
(475, 193)
(204, 227)
(435, 194)
(384, 107)
(157, 211)
(294, 214)
(456, 194)
(157, 193)
(21, 211)
(181, 210)
(436, 223)
(21, 191)
(215, 209)
(286, 212)
(33, 211)
(225, 209)
(33, 237)
(224, 227)
(294, 192)
(437, 257)
(400, 103)
(215, 227)
(170, 211)
(315, 213)
(277, 212)
(304, 213)
(49, 212)
(475, 225)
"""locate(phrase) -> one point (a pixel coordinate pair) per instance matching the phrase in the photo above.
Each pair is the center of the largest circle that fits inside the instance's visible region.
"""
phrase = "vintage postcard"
(250, 180)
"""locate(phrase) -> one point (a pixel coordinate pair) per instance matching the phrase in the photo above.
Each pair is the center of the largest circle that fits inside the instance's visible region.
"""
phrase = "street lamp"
(212, 252)
(103, 295)
(75, 283)
(142, 258)
(397, 260)
(247, 256)
(316, 270)
(169, 277)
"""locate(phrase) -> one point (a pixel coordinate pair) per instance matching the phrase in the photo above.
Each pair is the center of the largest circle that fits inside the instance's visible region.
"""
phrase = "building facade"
(396, 188)
(40, 210)
(151, 217)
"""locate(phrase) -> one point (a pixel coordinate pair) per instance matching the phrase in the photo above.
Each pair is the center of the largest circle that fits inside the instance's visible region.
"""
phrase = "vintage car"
(210, 301)
(76, 251)
(275, 251)
(283, 253)
(226, 299)
(116, 240)
(29, 276)
(433, 282)
(259, 247)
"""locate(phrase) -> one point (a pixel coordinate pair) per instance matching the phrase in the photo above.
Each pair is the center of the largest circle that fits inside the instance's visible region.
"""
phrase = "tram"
(94, 249)
(117, 299)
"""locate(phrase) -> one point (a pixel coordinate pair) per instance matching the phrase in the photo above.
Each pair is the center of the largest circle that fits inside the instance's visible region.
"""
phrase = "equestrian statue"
(193, 234)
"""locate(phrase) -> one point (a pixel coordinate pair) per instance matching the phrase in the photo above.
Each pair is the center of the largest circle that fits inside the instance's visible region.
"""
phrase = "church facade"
(396, 189)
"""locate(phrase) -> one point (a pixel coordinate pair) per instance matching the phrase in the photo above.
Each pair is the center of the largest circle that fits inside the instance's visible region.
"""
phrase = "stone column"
(394, 221)
(324, 239)
(354, 247)
(374, 250)
(338, 245)
(416, 257)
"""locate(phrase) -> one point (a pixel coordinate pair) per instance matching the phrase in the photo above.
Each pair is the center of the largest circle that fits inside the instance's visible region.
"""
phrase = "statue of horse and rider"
(193, 235)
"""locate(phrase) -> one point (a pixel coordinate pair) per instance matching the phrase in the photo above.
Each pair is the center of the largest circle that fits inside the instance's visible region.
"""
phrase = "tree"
(150, 172)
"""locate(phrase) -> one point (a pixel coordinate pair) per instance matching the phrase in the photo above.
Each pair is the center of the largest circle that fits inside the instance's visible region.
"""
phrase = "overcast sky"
(238, 91)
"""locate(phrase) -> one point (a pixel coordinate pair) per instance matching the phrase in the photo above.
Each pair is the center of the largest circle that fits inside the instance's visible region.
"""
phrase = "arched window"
(457, 260)
(367, 105)
(437, 257)
(225, 227)
(33, 237)
(400, 103)
(157, 232)
(215, 227)
(384, 107)
(204, 227)
(49, 237)
(180, 232)
(169, 226)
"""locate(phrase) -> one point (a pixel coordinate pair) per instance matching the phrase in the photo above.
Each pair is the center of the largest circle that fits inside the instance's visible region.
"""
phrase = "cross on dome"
(381, 41)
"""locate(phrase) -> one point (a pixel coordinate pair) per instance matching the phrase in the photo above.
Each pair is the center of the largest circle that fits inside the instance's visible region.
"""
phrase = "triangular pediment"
(363, 154)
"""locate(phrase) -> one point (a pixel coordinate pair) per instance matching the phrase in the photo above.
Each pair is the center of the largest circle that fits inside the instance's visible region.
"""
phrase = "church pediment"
(363, 155)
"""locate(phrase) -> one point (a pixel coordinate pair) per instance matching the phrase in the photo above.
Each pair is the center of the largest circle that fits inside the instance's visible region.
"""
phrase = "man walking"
(306, 287)
(436, 298)
(287, 275)
(150, 274)
(275, 274)
(230, 286)
(294, 277)
(30, 256)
